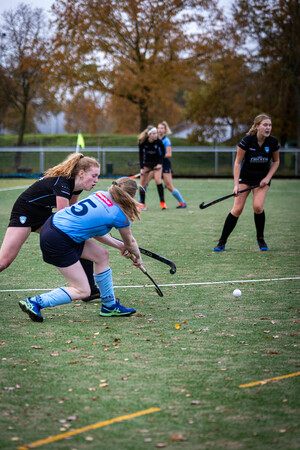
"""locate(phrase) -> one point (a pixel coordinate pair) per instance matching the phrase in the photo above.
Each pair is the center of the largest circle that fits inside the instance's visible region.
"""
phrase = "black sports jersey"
(44, 191)
(256, 162)
(151, 153)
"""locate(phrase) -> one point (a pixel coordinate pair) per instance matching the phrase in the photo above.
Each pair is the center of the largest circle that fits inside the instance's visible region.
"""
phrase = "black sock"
(229, 225)
(88, 267)
(259, 220)
(160, 190)
(142, 194)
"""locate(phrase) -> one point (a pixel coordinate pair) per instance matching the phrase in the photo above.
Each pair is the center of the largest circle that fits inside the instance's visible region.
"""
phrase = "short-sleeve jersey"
(256, 162)
(166, 141)
(151, 153)
(95, 215)
(44, 191)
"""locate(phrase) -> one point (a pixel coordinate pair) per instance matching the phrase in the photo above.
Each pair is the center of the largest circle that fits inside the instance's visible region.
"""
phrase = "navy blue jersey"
(44, 191)
(256, 162)
(151, 153)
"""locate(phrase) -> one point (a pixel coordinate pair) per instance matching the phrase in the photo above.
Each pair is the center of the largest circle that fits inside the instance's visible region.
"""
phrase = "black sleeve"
(63, 187)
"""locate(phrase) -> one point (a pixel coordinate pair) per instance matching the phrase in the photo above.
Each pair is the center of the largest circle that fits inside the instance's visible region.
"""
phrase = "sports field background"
(187, 353)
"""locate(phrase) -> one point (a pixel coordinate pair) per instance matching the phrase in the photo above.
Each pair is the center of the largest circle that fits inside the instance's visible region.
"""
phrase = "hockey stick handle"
(206, 205)
(160, 258)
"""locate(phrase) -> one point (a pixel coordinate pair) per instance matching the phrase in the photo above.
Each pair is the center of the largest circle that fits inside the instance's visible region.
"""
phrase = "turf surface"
(186, 353)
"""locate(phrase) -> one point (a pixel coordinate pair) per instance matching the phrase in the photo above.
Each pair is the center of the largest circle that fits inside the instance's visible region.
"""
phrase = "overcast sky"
(46, 4)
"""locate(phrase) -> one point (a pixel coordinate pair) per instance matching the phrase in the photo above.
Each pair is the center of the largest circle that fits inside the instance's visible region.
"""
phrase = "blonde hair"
(167, 128)
(144, 134)
(70, 167)
(258, 119)
(123, 192)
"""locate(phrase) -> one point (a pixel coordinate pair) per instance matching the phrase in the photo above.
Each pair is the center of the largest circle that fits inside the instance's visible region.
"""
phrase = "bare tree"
(23, 67)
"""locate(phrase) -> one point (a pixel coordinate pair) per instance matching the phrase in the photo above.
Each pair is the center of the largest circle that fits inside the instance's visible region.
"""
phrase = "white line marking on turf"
(203, 283)
(16, 187)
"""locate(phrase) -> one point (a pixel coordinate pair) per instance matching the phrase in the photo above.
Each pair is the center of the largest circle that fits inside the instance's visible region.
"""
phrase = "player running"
(151, 152)
(59, 187)
(253, 166)
(67, 236)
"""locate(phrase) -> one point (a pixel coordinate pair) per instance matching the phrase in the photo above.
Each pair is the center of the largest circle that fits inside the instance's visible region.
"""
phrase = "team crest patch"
(267, 149)
(22, 219)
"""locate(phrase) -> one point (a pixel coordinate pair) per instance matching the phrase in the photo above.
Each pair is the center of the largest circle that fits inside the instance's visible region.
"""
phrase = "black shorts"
(249, 182)
(167, 168)
(57, 247)
(25, 214)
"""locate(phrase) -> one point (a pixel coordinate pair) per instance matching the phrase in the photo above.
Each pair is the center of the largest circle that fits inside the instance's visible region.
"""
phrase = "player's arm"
(237, 168)
(61, 203)
(273, 168)
(168, 153)
(74, 199)
(131, 245)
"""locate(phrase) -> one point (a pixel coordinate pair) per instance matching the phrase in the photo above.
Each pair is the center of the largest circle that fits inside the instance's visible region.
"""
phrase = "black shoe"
(262, 245)
(93, 296)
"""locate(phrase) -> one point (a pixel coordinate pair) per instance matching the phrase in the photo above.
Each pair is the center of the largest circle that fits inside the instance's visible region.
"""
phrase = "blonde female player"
(67, 236)
(163, 132)
(256, 162)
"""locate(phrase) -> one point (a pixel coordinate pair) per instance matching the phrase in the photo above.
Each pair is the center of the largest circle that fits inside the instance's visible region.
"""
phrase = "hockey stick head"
(201, 205)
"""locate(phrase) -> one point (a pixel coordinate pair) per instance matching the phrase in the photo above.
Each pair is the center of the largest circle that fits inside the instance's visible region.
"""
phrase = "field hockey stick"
(157, 288)
(206, 205)
(160, 258)
(137, 175)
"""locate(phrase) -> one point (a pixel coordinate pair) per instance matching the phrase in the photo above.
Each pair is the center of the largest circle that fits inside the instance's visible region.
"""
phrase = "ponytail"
(123, 192)
(71, 166)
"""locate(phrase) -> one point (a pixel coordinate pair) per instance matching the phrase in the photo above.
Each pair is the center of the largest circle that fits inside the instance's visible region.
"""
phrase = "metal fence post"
(216, 160)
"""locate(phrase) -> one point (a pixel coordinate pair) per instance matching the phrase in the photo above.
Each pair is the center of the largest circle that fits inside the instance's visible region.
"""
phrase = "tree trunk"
(21, 133)
(144, 116)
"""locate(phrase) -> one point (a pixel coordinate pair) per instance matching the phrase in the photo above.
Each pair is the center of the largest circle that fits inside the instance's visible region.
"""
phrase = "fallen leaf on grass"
(178, 437)
(54, 354)
(195, 402)
(177, 326)
(161, 445)
(36, 347)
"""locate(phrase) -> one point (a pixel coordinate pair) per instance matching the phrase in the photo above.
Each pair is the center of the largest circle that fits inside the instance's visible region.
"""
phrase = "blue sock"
(54, 298)
(178, 196)
(106, 287)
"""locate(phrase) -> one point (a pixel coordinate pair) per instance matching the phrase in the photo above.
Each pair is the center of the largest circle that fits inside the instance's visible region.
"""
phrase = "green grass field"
(186, 353)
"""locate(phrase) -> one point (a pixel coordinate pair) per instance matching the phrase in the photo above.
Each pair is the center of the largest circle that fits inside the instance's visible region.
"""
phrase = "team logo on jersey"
(104, 199)
(267, 149)
(22, 219)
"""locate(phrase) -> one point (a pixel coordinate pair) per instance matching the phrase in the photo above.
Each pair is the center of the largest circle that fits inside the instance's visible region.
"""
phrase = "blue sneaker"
(262, 245)
(32, 309)
(220, 247)
(116, 310)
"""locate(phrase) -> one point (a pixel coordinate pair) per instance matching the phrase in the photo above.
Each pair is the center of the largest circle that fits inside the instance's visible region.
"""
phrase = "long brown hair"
(123, 192)
(258, 119)
(70, 167)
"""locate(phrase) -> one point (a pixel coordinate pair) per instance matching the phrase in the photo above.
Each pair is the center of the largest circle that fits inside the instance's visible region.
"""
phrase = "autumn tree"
(23, 68)
(141, 51)
(82, 112)
(269, 32)
(222, 99)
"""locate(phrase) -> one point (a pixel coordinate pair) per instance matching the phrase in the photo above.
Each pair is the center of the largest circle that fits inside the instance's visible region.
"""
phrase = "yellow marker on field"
(255, 383)
(87, 428)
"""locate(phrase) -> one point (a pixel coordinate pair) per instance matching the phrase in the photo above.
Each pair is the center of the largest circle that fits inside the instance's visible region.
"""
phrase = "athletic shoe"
(93, 296)
(142, 207)
(116, 310)
(163, 205)
(220, 247)
(181, 205)
(32, 309)
(262, 245)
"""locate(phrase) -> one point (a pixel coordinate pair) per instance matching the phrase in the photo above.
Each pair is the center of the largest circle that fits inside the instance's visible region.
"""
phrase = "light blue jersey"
(93, 216)
(166, 141)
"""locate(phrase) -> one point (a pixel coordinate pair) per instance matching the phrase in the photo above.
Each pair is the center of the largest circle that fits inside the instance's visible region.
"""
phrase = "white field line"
(204, 283)
(12, 188)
